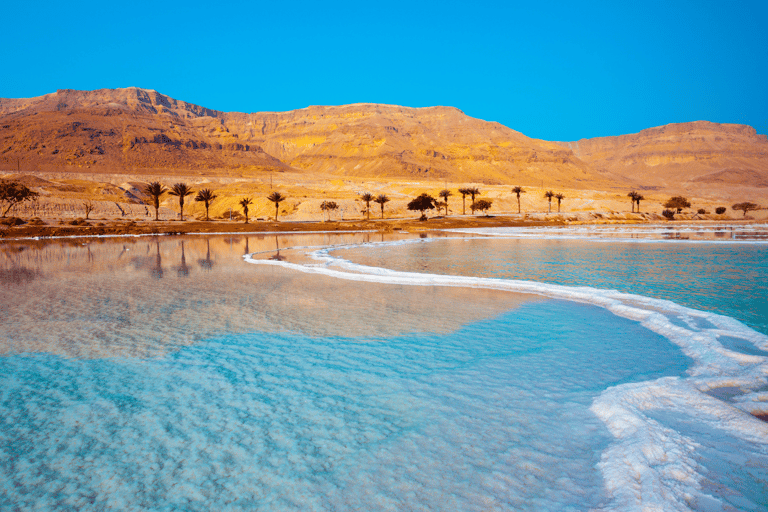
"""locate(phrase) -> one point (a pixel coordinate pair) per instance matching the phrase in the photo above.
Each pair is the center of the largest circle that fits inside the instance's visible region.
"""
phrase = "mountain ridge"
(133, 129)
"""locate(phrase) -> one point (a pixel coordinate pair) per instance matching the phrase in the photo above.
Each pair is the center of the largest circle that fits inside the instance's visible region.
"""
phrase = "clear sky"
(551, 70)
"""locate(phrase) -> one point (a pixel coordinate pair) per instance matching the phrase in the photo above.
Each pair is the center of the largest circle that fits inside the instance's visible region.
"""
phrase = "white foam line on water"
(600, 234)
(648, 466)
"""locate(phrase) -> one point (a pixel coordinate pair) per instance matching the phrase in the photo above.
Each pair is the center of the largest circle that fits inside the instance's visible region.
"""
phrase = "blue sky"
(553, 70)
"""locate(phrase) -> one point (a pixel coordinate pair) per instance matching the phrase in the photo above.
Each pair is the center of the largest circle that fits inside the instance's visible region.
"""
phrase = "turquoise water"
(170, 374)
(290, 422)
(730, 279)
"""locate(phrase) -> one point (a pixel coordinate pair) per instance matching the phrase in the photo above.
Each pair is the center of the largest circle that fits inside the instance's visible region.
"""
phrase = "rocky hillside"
(696, 155)
(130, 130)
(137, 131)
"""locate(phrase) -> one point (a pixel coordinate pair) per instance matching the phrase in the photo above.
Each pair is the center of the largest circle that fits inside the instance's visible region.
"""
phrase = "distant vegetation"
(367, 198)
(245, 203)
(482, 204)
(559, 197)
(205, 196)
(381, 199)
(745, 207)
(720, 210)
(181, 190)
(155, 190)
(445, 194)
(12, 194)
(329, 206)
(88, 206)
(421, 204)
(549, 195)
(669, 214)
(635, 198)
(678, 203)
(277, 198)
(517, 191)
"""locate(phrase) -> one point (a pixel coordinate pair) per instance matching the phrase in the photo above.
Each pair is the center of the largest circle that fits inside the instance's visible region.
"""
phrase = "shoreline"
(102, 227)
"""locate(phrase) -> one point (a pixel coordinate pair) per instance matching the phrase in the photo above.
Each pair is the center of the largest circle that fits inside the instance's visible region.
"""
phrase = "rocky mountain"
(119, 130)
(131, 130)
(695, 155)
(139, 131)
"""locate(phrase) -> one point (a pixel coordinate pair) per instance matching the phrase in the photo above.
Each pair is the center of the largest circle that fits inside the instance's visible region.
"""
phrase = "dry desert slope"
(105, 144)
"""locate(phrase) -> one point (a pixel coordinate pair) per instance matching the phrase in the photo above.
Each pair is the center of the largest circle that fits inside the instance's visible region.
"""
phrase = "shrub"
(669, 214)
(746, 207)
(678, 203)
(11, 221)
(78, 222)
(720, 210)
(702, 211)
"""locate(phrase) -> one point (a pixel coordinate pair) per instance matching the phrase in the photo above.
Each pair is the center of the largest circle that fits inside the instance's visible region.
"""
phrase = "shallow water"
(169, 373)
(726, 278)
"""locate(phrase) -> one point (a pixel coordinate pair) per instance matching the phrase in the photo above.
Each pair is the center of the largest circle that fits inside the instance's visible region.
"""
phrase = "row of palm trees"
(275, 197)
(635, 198)
(181, 190)
(156, 189)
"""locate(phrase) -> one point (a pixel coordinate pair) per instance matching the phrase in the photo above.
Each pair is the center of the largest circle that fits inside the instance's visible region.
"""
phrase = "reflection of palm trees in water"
(277, 256)
(207, 263)
(157, 270)
(183, 270)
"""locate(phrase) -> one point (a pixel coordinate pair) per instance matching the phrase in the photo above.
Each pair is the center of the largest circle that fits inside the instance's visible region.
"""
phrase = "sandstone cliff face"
(698, 155)
(436, 143)
(133, 129)
(120, 130)
(136, 130)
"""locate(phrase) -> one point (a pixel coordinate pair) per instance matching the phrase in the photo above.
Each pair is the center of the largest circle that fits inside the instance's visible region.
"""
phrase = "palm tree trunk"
(463, 205)
(518, 204)
(277, 205)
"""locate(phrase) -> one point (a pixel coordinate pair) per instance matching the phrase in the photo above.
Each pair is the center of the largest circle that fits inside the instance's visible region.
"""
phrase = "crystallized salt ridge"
(648, 466)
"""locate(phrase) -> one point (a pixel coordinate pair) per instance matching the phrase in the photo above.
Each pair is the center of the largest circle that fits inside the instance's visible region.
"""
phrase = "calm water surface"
(169, 373)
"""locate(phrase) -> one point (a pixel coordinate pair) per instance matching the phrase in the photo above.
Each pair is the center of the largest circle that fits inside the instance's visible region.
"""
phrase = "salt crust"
(648, 466)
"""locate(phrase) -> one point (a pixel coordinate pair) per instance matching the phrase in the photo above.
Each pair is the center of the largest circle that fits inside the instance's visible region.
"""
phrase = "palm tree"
(205, 196)
(518, 191)
(549, 195)
(367, 197)
(632, 199)
(155, 190)
(382, 199)
(464, 193)
(445, 194)
(277, 198)
(474, 191)
(181, 190)
(559, 197)
(245, 203)
(638, 198)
